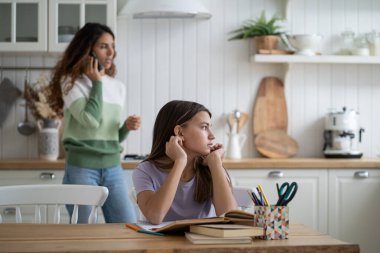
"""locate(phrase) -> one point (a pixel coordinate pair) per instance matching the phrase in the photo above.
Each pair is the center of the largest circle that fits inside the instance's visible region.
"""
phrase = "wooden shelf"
(246, 163)
(327, 59)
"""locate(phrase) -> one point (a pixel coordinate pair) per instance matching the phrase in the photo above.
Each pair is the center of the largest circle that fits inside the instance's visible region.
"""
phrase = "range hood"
(165, 9)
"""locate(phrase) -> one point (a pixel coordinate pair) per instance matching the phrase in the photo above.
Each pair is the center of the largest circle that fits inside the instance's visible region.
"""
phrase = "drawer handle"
(361, 174)
(276, 174)
(9, 211)
(47, 176)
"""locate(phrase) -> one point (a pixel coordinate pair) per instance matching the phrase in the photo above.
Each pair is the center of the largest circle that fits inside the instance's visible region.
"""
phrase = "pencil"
(139, 230)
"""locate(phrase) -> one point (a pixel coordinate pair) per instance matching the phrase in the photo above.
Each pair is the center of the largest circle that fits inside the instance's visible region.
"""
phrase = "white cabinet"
(42, 25)
(67, 16)
(354, 205)
(17, 177)
(308, 207)
(23, 25)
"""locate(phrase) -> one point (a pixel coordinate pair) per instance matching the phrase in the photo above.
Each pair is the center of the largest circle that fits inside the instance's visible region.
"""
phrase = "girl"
(92, 102)
(183, 177)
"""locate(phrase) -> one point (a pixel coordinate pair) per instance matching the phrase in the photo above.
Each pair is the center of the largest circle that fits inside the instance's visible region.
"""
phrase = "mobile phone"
(100, 66)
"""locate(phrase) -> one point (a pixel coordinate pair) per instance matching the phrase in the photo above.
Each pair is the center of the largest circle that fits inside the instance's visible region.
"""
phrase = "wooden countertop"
(116, 238)
(251, 163)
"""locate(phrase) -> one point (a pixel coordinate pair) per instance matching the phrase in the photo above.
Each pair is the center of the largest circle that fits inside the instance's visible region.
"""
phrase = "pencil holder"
(274, 220)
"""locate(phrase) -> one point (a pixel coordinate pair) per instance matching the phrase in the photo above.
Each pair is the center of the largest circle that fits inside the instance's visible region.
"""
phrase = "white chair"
(58, 195)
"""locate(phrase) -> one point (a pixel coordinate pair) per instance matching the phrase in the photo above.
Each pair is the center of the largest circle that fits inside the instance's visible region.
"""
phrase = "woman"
(183, 177)
(92, 102)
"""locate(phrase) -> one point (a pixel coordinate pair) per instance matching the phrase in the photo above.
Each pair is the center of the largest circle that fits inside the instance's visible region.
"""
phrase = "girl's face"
(105, 50)
(197, 135)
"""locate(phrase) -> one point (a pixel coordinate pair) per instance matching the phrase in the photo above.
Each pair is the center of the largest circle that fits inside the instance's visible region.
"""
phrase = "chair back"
(133, 197)
(57, 195)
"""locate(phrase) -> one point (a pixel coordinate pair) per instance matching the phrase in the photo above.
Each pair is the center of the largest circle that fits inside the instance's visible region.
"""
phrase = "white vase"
(48, 139)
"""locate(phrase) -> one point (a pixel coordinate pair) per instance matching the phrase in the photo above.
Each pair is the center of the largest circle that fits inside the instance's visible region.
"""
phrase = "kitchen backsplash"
(161, 60)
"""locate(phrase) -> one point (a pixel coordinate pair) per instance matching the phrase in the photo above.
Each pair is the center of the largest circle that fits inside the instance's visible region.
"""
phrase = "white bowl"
(305, 44)
(65, 38)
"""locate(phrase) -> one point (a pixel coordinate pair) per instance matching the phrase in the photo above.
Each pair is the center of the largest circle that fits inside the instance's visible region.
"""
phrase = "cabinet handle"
(276, 174)
(9, 210)
(361, 174)
(47, 176)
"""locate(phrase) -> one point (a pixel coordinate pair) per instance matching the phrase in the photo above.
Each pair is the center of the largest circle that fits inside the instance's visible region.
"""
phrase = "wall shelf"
(327, 59)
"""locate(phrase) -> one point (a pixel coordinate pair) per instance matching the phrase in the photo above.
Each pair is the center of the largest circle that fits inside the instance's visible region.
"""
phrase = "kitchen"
(192, 59)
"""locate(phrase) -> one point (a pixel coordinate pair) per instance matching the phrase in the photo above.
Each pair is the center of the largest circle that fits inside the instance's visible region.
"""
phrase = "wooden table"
(117, 238)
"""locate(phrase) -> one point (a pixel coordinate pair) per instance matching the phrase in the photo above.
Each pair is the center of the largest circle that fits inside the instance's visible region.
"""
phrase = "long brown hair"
(178, 112)
(72, 64)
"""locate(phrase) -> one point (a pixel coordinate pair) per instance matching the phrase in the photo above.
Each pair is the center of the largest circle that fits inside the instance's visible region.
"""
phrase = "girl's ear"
(177, 130)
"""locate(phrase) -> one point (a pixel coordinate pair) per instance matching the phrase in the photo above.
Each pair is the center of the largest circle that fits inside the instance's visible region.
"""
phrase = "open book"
(237, 216)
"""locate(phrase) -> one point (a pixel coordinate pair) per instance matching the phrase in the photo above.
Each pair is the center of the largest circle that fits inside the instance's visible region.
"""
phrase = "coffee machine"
(342, 134)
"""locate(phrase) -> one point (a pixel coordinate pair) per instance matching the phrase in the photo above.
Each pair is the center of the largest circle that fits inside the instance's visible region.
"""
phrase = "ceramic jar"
(48, 139)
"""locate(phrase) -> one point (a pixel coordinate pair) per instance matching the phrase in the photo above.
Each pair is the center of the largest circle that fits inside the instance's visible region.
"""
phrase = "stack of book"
(222, 233)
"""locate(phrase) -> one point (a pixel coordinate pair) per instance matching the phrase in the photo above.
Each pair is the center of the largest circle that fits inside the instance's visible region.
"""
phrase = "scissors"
(286, 193)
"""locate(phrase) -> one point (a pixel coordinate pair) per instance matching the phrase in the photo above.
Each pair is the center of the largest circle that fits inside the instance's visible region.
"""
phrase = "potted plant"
(265, 32)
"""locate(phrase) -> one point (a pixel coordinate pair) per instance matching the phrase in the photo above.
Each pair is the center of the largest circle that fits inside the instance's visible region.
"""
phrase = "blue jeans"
(117, 208)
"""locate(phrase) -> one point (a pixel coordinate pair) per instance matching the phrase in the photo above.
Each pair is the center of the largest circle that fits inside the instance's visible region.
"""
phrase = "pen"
(266, 201)
(139, 230)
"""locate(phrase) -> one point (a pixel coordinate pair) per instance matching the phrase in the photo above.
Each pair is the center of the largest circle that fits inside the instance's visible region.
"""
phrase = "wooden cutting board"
(270, 107)
(276, 144)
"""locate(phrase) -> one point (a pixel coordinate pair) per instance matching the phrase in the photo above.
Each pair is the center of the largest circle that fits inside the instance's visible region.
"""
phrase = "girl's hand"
(216, 155)
(91, 69)
(133, 122)
(174, 149)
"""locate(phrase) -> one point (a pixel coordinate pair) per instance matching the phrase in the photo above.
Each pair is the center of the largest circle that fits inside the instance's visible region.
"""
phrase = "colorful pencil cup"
(274, 220)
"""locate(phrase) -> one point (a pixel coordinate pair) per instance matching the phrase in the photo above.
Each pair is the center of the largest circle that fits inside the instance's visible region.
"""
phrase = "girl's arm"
(155, 205)
(223, 197)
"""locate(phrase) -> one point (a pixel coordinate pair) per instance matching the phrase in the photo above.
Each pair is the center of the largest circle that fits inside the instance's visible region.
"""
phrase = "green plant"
(259, 27)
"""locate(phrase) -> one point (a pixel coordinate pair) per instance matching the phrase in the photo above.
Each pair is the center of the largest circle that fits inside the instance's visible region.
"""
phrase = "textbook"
(204, 239)
(226, 230)
(237, 216)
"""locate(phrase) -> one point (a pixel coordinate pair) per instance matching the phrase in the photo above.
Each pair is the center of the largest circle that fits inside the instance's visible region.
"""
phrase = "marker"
(139, 230)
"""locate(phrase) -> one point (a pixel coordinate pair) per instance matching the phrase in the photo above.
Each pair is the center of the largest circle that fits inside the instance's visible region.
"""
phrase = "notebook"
(204, 239)
(226, 230)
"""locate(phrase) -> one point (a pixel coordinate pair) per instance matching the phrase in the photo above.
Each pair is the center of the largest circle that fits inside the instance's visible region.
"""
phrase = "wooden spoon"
(242, 121)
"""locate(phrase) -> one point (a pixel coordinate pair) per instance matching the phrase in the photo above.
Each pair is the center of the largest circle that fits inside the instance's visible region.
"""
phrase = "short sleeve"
(142, 181)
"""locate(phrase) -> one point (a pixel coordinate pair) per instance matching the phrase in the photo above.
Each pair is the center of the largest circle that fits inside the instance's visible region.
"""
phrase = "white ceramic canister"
(48, 139)
(235, 144)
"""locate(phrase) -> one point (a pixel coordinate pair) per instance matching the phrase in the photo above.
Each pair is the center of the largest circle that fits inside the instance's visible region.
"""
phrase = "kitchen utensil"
(230, 120)
(270, 106)
(236, 121)
(276, 144)
(26, 127)
(305, 44)
(242, 121)
(9, 93)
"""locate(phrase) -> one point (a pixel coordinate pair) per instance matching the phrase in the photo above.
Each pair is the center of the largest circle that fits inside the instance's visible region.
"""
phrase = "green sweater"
(93, 123)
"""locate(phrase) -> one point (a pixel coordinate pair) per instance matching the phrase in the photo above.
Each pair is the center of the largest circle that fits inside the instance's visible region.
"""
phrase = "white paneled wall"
(161, 60)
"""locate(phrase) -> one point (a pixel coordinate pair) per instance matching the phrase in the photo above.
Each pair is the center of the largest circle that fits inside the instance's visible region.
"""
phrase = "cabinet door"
(68, 16)
(23, 25)
(309, 205)
(354, 205)
(18, 177)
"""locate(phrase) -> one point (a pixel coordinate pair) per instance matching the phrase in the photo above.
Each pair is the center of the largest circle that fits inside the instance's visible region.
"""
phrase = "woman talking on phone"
(84, 90)
(183, 177)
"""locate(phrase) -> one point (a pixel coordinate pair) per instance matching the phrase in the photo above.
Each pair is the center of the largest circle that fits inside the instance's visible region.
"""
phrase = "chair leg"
(74, 217)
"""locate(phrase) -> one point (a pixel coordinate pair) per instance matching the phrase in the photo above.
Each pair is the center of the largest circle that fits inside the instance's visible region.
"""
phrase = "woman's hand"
(216, 155)
(174, 149)
(133, 122)
(91, 69)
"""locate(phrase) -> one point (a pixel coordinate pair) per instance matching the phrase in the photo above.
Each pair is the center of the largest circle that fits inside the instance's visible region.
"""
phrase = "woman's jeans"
(118, 207)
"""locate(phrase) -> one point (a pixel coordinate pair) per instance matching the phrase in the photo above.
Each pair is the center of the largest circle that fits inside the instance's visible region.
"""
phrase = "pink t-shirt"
(147, 177)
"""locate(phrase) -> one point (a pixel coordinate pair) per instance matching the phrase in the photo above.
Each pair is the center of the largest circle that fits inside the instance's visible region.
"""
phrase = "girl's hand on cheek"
(216, 154)
(174, 149)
